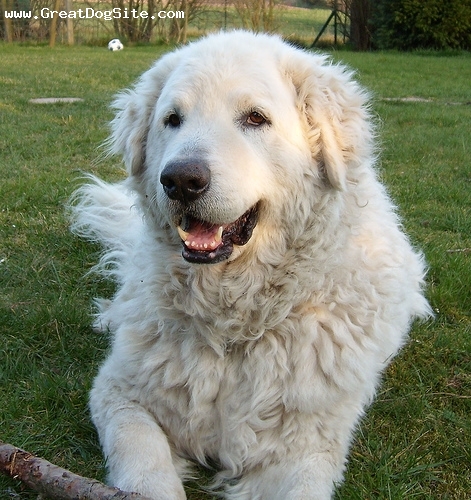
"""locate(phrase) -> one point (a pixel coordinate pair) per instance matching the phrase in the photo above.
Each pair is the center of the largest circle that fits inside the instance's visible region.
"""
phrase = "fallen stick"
(53, 481)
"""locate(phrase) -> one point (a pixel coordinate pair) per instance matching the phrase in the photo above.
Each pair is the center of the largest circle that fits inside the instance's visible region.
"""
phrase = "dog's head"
(227, 133)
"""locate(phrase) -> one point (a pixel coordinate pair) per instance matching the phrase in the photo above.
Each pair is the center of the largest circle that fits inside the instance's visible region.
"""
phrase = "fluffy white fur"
(261, 364)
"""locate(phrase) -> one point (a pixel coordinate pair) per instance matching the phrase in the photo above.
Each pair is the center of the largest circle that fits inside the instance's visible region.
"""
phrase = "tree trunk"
(360, 13)
(53, 25)
(8, 24)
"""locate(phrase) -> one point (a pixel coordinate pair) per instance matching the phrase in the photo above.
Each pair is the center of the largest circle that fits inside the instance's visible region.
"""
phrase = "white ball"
(115, 44)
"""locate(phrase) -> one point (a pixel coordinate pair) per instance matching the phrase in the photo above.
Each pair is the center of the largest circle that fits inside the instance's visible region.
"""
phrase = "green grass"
(416, 439)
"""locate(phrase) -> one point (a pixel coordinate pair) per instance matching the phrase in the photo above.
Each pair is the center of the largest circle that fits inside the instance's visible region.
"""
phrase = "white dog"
(264, 280)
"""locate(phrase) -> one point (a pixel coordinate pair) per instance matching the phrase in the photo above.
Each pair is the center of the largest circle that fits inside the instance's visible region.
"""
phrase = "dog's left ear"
(336, 113)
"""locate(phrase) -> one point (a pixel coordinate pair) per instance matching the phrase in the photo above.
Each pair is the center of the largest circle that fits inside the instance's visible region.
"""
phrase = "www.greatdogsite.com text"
(90, 13)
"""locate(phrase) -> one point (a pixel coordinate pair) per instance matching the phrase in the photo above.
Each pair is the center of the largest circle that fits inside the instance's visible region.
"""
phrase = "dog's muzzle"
(203, 242)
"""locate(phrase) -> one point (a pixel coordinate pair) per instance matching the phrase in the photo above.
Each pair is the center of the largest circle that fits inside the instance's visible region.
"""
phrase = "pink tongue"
(201, 234)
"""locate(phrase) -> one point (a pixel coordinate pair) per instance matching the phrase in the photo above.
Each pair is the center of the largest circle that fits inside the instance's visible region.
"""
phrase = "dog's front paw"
(155, 485)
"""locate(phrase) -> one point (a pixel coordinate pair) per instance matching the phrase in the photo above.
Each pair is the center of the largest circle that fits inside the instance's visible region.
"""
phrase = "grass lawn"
(415, 441)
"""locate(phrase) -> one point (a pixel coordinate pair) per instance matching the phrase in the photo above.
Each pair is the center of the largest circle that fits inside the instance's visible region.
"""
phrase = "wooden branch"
(53, 481)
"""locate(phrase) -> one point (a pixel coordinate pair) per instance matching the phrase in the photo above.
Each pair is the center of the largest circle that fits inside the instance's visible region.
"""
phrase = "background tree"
(137, 29)
(360, 15)
(413, 24)
(256, 15)
(14, 29)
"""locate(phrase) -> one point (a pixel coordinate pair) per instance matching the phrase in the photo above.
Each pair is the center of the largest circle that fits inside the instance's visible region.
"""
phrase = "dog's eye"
(255, 119)
(173, 120)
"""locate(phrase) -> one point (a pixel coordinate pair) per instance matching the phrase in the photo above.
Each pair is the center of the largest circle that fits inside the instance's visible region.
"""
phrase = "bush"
(430, 24)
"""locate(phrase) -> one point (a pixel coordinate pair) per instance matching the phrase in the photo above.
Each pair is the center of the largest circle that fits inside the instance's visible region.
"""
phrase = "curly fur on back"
(263, 363)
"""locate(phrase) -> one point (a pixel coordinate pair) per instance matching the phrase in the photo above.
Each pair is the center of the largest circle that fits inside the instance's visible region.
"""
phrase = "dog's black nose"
(185, 180)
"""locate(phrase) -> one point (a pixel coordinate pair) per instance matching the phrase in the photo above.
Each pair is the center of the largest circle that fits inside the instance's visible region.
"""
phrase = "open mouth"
(207, 243)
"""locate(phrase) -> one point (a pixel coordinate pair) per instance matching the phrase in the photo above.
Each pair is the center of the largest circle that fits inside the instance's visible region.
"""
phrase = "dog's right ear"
(134, 108)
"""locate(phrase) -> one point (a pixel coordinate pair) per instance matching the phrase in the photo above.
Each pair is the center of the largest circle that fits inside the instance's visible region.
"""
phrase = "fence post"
(333, 14)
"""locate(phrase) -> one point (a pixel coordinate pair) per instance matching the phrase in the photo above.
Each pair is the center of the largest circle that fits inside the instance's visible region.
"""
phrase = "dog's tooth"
(218, 236)
(183, 234)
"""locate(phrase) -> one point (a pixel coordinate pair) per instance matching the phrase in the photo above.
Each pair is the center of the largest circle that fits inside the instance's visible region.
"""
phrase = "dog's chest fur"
(228, 407)
(225, 382)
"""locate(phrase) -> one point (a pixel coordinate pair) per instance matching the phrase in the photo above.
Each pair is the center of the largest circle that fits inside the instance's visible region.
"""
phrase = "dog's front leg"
(137, 451)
